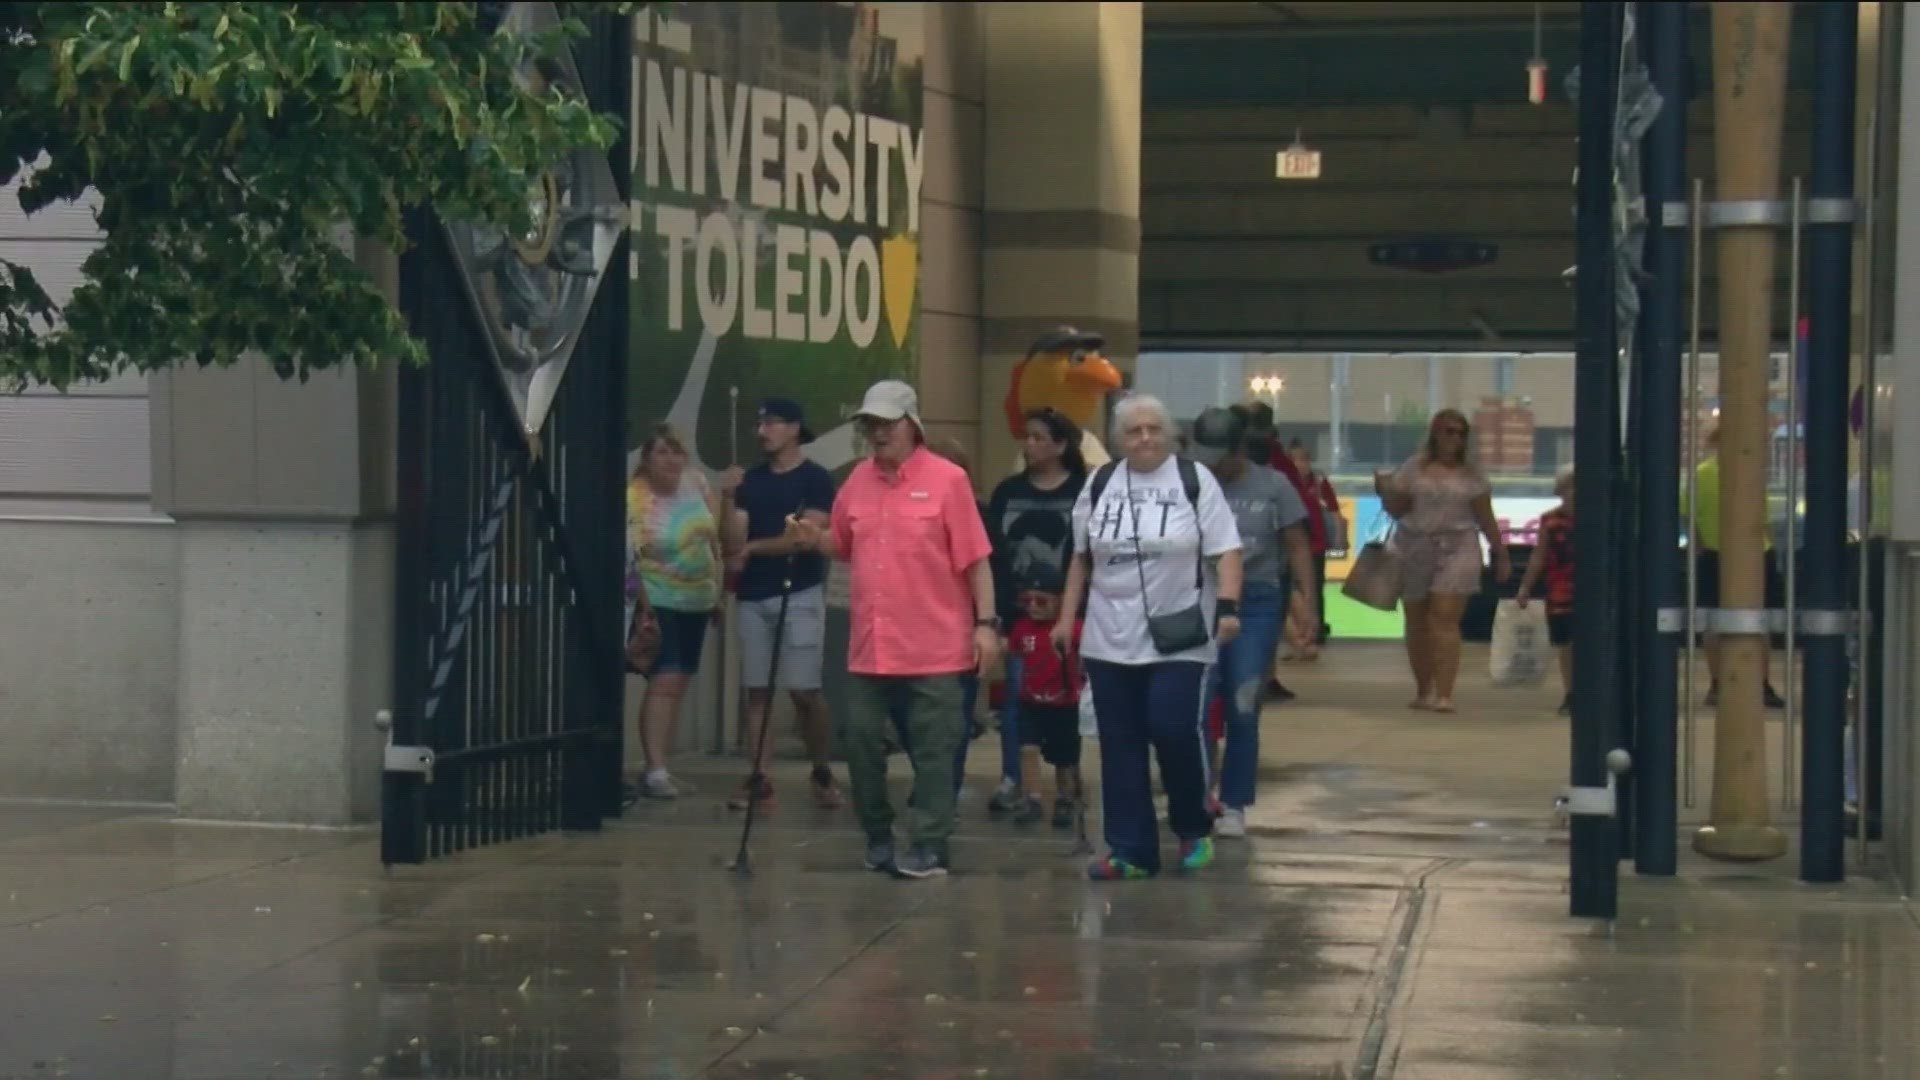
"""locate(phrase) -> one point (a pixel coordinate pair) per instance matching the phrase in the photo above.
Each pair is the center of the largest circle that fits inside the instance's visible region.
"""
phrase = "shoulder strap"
(1190, 480)
(1100, 477)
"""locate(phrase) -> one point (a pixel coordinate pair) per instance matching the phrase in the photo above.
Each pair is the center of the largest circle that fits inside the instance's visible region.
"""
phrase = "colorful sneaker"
(1113, 868)
(1196, 854)
(826, 793)
(762, 793)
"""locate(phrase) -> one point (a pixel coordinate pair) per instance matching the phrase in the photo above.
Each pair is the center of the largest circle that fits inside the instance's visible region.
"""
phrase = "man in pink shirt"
(907, 522)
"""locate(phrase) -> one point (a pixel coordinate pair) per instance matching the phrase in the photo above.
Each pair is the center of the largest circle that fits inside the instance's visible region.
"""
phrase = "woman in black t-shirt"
(1029, 519)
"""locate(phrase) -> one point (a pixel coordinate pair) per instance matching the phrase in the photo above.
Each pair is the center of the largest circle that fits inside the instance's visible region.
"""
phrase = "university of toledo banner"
(776, 215)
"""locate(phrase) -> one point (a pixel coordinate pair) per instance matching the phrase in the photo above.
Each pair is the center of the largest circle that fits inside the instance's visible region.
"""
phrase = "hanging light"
(1537, 67)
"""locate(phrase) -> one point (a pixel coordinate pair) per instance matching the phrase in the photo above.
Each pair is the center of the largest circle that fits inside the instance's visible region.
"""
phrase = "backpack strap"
(1190, 481)
(1099, 484)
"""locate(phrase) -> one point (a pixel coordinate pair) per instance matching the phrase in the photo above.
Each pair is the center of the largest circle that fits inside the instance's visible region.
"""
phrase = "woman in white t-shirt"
(1157, 562)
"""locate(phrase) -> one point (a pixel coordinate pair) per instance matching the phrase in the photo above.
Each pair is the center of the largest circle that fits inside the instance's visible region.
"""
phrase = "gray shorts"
(801, 657)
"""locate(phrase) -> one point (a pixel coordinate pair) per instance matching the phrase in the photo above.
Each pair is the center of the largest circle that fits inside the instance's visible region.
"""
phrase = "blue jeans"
(1240, 680)
(1151, 711)
(1010, 721)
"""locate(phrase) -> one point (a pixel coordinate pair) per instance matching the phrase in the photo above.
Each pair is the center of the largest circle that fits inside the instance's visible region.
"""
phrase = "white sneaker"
(658, 785)
(1231, 824)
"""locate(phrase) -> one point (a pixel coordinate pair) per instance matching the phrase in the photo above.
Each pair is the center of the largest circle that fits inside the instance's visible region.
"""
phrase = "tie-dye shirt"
(672, 539)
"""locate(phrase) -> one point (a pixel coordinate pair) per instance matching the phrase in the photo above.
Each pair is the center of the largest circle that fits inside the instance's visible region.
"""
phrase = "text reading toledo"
(700, 136)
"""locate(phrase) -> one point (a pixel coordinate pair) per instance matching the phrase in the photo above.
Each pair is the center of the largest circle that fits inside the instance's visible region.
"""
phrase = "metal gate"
(508, 671)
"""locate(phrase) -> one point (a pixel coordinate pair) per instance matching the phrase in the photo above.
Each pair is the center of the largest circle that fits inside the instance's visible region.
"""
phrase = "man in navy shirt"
(767, 565)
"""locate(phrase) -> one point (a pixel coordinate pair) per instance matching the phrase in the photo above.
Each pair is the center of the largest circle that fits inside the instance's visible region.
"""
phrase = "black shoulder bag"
(1186, 629)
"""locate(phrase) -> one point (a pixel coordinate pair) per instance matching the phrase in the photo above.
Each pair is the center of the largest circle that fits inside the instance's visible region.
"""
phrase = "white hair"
(1131, 406)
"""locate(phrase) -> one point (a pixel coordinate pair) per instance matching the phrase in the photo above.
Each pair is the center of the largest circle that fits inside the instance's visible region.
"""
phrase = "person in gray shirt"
(1279, 571)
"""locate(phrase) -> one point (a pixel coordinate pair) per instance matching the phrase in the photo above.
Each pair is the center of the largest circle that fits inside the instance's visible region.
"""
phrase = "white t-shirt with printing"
(1156, 504)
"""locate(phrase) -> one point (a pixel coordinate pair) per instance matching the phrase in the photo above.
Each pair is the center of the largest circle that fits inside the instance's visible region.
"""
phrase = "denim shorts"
(683, 636)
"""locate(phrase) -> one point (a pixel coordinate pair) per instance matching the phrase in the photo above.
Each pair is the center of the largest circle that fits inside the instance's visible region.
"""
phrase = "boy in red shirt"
(1552, 560)
(1050, 690)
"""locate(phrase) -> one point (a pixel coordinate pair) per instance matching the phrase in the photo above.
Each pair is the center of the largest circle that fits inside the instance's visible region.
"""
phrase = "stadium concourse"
(1396, 911)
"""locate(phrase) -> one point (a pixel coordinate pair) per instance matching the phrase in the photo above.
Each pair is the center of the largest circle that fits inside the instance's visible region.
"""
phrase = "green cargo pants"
(934, 730)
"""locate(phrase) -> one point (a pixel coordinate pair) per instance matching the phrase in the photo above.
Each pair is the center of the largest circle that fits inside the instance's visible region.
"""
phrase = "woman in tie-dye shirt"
(673, 550)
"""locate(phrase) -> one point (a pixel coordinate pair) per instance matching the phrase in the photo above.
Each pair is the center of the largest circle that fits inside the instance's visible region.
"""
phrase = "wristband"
(1224, 608)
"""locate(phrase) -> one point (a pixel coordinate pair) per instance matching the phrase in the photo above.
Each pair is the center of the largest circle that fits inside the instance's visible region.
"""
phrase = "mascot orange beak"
(1094, 374)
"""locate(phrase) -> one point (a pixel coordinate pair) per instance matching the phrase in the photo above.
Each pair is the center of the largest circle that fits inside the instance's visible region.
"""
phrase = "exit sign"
(1296, 163)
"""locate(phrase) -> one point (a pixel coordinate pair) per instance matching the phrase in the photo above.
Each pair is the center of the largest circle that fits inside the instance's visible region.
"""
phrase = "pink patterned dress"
(1438, 538)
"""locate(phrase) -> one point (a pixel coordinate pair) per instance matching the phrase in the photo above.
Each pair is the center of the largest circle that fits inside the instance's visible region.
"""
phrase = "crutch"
(757, 779)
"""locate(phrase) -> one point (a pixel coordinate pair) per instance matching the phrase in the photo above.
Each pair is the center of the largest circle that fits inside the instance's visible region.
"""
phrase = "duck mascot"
(1067, 371)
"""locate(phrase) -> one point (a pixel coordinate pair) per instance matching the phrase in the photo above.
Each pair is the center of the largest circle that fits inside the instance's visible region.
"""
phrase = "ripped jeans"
(1240, 678)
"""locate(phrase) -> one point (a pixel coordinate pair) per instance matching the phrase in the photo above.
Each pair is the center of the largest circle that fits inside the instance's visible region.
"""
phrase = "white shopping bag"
(1089, 728)
(1520, 648)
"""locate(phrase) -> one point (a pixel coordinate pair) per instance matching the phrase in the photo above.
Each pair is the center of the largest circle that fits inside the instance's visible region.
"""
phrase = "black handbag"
(1176, 631)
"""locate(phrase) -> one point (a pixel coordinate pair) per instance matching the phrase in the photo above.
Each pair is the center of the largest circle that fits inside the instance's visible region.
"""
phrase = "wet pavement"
(1383, 921)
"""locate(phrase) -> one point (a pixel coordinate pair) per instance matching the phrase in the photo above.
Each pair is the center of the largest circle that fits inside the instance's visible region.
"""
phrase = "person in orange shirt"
(922, 618)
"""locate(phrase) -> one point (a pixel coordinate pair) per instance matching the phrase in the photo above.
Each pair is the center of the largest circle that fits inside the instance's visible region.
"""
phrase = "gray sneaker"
(921, 862)
(880, 855)
(659, 786)
(1006, 799)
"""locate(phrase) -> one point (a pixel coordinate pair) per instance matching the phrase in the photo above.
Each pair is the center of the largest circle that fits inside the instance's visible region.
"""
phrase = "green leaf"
(218, 227)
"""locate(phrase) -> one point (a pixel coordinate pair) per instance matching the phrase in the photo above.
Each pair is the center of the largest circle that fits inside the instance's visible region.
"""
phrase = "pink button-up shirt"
(910, 540)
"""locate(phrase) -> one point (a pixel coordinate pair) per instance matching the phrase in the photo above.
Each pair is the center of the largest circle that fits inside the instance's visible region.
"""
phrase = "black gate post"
(1594, 888)
(1663, 30)
(597, 475)
(1822, 577)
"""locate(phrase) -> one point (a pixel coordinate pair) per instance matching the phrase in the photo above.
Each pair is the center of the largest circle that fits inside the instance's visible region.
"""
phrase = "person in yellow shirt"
(1704, 535)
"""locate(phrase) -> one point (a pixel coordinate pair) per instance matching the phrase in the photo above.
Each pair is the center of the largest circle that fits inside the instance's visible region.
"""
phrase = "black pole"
(1822, 574)
(1594, 888)
(1663, 36)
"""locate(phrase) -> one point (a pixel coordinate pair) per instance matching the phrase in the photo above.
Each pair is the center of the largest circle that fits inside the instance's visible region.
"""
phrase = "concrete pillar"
(1899, 387)
(951, 200)
(1062, 192)
(283, 494)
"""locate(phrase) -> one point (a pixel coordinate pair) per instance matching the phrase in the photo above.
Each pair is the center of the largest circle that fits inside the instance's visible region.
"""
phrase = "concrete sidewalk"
(1398, 912)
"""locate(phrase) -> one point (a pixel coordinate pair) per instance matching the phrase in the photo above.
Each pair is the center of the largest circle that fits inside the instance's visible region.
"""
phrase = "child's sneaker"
(1196, 854)
(1006, 799)
(1063, 809)
(1113, 868)
(1031, 811)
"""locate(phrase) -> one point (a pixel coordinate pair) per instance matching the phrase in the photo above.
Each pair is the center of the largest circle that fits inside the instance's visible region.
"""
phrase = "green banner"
(777, 167)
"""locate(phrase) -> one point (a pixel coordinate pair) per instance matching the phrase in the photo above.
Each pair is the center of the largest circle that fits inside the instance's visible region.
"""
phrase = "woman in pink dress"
(1442, 505)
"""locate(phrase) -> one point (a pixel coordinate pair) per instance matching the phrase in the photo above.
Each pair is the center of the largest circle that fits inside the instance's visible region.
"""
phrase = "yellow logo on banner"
(899, 277)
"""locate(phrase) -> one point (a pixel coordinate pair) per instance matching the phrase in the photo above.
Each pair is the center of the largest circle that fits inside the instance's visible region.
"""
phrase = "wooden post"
(1749, 99)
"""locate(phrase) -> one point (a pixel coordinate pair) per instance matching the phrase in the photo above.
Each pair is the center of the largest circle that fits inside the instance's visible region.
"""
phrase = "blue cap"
(788, 410)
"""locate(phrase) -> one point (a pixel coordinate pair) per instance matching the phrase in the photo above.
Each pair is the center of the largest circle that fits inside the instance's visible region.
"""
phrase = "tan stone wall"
(1061, 224)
